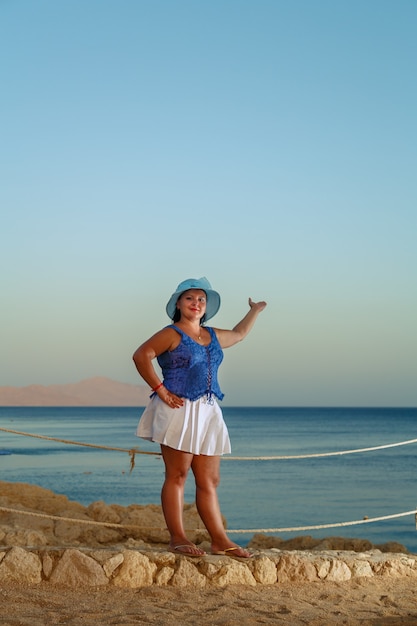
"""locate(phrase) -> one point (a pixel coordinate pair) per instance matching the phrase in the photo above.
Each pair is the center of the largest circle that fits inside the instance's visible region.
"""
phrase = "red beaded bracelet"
(158, 387)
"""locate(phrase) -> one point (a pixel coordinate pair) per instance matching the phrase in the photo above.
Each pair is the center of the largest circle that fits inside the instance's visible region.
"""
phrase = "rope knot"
(132, 454)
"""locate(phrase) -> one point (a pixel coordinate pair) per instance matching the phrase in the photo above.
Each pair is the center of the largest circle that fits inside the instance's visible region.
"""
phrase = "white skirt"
(197, 427)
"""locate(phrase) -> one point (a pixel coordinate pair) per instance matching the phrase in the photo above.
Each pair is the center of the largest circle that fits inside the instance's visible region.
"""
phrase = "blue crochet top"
(190, 370)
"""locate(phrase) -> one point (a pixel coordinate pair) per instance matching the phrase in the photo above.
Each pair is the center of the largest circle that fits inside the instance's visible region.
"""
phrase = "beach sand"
(377, 602)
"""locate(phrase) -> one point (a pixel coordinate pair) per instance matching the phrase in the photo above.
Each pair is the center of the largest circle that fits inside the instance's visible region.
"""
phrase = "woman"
(183, 415)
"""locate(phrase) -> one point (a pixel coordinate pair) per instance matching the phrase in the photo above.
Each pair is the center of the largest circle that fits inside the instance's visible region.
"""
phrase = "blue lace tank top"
(190, 371)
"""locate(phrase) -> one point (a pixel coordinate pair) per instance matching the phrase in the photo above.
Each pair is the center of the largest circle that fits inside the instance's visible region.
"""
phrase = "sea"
(256, 493)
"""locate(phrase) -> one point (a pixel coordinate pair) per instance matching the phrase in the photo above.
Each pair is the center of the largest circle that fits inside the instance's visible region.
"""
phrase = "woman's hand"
(258, 306)
(228, 338)
(169, 398)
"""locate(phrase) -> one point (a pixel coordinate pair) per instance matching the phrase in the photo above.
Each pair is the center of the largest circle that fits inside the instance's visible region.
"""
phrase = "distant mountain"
(98, 391)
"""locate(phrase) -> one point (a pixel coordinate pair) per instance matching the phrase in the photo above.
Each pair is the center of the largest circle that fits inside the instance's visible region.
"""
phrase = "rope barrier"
(320, 454)
(320, 526)
(133, 451)
(235, 531)
(58, 518)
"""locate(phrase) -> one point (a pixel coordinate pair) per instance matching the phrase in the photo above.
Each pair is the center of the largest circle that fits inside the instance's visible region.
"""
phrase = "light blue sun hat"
(213, 298)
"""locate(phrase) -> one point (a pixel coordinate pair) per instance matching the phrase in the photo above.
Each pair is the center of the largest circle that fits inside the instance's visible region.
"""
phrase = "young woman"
(183, 415)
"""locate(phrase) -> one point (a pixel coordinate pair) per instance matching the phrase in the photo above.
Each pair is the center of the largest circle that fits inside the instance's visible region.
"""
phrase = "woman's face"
(192, 304)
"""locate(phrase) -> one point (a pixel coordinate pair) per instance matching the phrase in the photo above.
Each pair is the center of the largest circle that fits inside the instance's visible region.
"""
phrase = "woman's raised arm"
(228, 338)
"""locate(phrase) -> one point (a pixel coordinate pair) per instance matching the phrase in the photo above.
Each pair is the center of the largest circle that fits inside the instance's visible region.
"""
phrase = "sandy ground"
(376, 602)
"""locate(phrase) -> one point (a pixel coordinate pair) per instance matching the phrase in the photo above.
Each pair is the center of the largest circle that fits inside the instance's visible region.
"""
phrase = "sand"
(380, 602)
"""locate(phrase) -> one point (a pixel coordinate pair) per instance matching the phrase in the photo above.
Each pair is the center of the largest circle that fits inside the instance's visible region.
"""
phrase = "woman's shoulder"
(165, 331)
(166, 339)
(173, 331)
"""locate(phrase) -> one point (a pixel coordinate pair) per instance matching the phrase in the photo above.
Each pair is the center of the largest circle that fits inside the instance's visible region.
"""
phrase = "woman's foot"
(186, 549)
(234, 551)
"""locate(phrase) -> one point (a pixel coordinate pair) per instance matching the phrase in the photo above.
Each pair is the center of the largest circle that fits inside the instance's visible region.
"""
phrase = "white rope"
(241, 530)
(320, 526)
(58, 518)
(133, 451)
(320, 454)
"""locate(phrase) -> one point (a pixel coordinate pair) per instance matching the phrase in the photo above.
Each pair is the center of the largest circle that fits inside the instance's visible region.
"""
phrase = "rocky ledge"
(46, 538)
(135, 568)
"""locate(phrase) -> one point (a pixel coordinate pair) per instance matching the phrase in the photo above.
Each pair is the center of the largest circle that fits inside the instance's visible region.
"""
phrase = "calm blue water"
(256, 494)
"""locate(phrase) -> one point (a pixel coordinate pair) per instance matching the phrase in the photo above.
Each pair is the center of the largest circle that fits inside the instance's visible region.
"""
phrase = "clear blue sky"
(270, 145)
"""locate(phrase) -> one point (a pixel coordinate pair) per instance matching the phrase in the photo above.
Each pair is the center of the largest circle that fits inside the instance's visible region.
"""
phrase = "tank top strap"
(181, 332)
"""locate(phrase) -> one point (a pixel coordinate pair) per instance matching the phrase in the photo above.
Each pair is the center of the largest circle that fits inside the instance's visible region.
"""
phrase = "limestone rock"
(341, 543)
(21, 566)
(233, 573)
(70, 533)
(392, 546)
(164, 576)
(101, 512)
(76, 569)
(210, 566)
(136, 571)
(361, 569)
(293, 567)
(187, 575)
(395, 567)
(47, 565)
(142, 522)
(25, 496)
(323, 568)
(25, 537)
(264, 571)
(112, 564)
(162, 559)
(339, 571)
(261, 541)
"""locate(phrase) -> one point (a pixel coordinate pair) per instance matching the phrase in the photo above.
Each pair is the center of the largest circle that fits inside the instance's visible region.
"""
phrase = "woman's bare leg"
(206, 471)
(177, 465)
